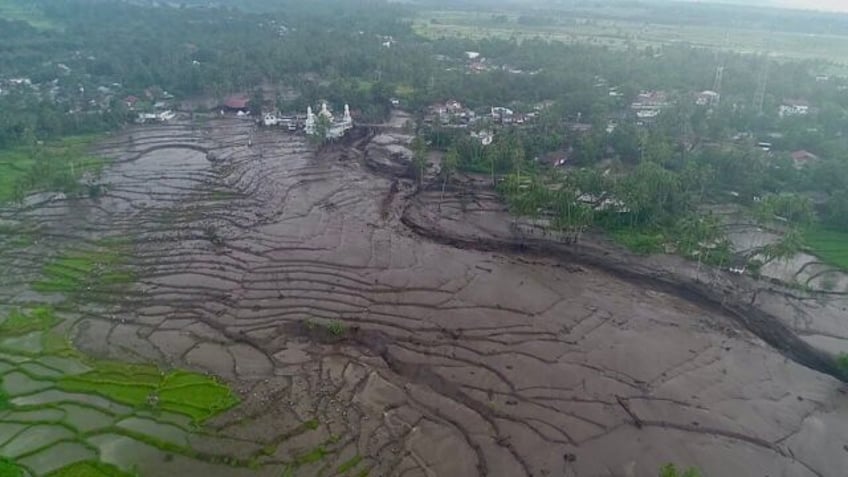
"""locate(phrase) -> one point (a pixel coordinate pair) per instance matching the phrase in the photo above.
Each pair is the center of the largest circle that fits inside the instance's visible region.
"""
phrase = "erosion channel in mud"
(359, 339)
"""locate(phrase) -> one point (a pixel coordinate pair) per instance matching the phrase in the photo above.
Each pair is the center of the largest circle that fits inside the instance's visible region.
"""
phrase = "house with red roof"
(803, 158)
(130, 101)
(237, 103)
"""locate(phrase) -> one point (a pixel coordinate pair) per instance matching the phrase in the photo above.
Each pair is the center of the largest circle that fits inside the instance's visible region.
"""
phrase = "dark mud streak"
(622, 265)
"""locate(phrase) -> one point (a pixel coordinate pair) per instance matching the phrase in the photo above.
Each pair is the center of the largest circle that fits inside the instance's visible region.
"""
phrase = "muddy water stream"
(360, 348)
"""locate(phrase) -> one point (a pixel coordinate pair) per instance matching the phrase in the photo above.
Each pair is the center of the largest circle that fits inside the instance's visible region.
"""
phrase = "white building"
(160, 117)
(502, 115)
(707, 98)
(485, 137)
(794, 107)
(647, 113)
(270, 119)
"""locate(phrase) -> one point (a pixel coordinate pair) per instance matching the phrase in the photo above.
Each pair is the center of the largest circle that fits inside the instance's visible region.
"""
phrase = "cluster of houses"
(793, 107)
(649, 104)
(153, 107)
(473, 62)
(453, 114)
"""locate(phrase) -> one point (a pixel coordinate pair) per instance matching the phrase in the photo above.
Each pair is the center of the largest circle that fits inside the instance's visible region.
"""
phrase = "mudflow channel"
(356, 341)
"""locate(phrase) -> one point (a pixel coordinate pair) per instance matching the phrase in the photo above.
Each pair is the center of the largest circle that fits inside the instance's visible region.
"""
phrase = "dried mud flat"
(360, 347)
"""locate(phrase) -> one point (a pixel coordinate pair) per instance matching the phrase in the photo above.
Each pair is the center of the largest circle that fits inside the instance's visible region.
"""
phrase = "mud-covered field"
(361, 341)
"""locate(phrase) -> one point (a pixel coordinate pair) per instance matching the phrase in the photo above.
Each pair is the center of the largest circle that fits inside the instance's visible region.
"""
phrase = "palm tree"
(419, 157)
(449, 164)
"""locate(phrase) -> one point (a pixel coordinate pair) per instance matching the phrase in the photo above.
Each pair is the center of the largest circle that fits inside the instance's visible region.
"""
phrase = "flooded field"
(301, 327)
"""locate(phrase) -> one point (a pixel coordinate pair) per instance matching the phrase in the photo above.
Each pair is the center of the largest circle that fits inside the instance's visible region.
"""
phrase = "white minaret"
(326, 112)
(310, 121)
(348, 121)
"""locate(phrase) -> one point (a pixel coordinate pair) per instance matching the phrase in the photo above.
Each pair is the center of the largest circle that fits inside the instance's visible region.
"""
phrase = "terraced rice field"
(262, 310)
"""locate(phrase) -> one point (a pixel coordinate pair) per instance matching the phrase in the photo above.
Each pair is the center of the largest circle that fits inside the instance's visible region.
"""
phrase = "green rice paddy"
(101, 267)
(829, 245)
(59, 407)
(47, 389)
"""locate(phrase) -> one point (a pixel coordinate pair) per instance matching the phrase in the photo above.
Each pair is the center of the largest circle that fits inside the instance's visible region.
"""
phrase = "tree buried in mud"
(670, 470)
(322, 129)
(842, 362)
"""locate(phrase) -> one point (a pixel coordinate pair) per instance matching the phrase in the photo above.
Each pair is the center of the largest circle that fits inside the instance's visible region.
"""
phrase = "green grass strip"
(90, 468)
(9, 469)
(19, 323)
(194, 395)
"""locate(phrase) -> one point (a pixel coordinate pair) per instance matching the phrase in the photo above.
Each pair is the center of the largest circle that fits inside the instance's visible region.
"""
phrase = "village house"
(647, 113)
(20, 81)
(485, 137)
(649, 104)
(803, 158)
(580, 128)
(502, 115)
(650, 100)
(453, 107)
(707, 98)
(478, 66)
(557, 158)
(131, 101)
(160, 117)
(450, 111)
(275, 119)
(239, 103)
(794, 107)
(270, 119)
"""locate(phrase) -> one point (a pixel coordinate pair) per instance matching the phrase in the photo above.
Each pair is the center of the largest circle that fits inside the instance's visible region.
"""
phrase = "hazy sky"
(835, 5)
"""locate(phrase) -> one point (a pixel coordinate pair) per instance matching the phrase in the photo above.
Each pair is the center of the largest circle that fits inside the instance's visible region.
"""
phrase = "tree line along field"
(620, 33)
(54, 166)
(26, 12)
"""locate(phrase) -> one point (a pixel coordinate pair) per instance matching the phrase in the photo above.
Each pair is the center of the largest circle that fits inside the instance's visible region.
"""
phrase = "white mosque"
(336, 129)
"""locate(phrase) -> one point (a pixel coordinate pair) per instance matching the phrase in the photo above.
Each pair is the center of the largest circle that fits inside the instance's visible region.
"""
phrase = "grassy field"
(57, 166)
(829, 245)
(24, 10)
(619, 33)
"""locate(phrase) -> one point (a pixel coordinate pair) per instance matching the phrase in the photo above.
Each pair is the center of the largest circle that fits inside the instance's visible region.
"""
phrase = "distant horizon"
(840, 6)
